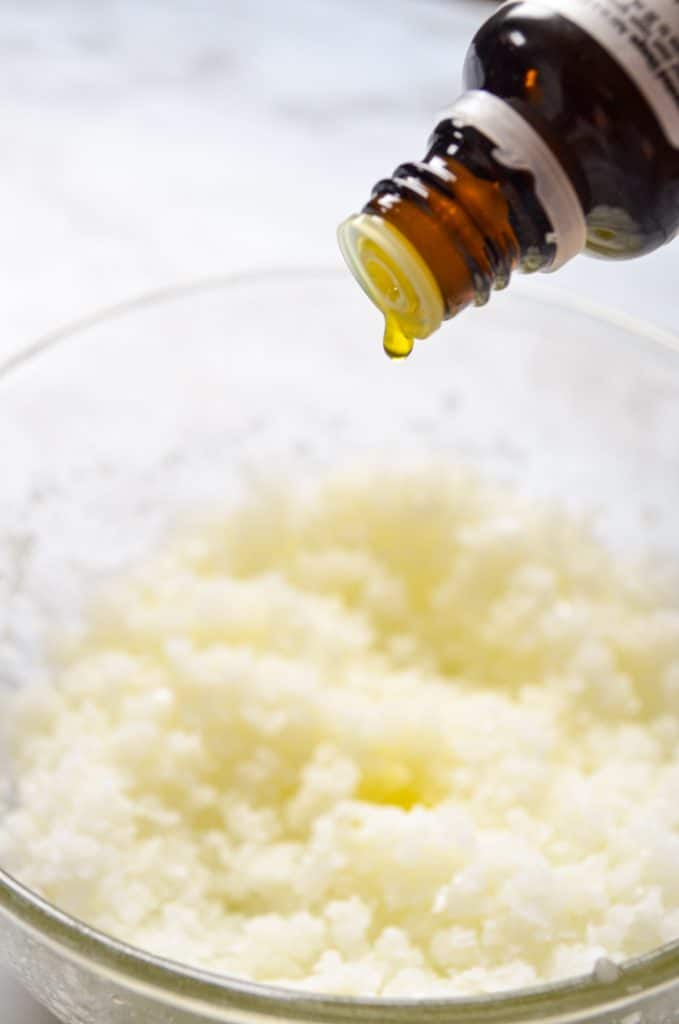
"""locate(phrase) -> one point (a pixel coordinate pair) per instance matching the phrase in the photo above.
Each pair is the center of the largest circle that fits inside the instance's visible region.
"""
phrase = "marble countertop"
(146, 144)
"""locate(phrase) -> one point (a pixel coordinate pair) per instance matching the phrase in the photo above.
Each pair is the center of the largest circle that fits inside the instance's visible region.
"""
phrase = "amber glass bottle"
(567, 139)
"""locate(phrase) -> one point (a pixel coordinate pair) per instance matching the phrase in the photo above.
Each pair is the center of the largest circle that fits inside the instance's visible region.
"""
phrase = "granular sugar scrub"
(405, 735)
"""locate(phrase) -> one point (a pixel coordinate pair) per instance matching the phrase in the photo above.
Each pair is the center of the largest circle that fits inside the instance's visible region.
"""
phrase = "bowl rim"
(636, 981)
(547, 295)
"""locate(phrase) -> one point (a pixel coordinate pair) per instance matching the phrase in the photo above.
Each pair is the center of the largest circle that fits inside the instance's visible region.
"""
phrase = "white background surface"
(144, 144)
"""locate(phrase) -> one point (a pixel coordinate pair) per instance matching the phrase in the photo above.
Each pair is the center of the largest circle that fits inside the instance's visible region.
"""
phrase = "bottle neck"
(441, 234)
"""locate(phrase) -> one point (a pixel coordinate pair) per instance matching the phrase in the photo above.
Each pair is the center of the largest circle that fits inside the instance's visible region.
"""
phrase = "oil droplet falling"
(397, 344)
(396, 277)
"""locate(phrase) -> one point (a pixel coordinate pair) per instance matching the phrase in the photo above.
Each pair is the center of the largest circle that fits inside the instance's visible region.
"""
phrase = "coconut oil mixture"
(407, 734)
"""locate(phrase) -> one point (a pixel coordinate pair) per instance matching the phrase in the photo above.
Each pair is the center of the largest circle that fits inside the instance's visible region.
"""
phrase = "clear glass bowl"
(115, 427)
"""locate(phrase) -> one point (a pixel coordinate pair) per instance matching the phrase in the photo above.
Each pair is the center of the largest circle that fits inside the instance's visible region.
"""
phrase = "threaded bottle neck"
(468, 215)
(457, 220)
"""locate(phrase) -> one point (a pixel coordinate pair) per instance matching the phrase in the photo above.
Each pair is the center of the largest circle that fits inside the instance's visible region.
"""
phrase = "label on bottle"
(643, 36)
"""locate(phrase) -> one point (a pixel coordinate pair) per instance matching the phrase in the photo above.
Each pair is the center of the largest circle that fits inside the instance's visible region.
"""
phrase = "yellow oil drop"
(396, 278)
(397, 344)
(393, 780)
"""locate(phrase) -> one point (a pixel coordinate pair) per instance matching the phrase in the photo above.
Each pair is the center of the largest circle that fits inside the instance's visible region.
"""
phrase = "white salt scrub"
(405, 736)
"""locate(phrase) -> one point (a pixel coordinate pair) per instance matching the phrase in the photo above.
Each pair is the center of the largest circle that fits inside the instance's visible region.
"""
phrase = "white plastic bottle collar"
(520, 147)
